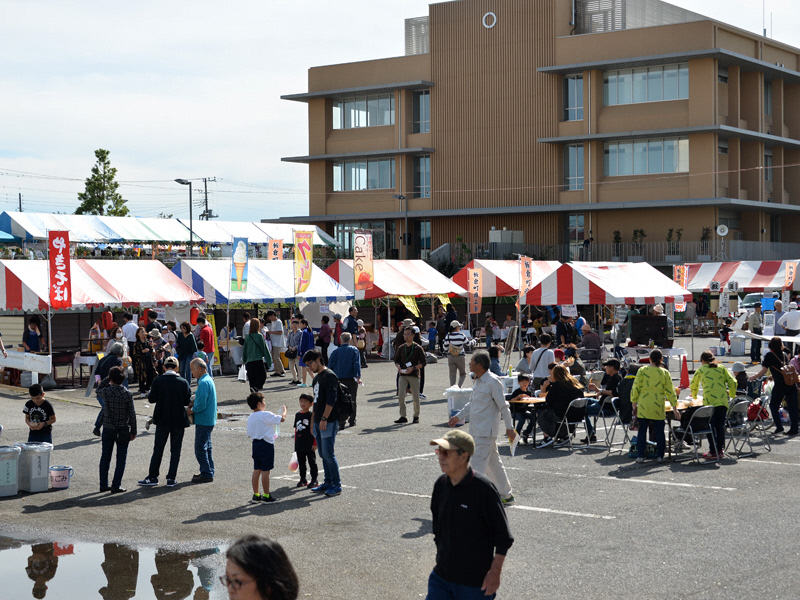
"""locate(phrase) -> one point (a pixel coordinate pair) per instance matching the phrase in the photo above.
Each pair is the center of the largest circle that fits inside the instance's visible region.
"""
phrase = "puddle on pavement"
(72, 571)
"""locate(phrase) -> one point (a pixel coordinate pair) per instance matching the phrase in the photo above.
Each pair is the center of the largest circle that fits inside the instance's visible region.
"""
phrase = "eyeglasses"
(236, 584)
(446, 453)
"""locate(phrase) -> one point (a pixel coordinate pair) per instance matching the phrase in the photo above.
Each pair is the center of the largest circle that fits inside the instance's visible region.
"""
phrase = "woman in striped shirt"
(454, 343)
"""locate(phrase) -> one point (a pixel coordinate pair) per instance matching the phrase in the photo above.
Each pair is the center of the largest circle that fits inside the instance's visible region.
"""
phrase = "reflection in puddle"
(71, 571)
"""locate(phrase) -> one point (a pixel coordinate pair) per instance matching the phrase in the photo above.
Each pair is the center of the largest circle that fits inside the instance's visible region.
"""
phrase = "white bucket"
(60, 476)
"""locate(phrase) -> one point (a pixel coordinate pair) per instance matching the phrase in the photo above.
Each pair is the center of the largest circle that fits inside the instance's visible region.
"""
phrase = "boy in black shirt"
(304, 443)
(39, 416)
(520, 412)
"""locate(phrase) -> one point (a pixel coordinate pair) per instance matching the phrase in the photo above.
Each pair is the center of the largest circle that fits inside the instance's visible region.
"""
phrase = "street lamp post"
(406, 237)
(191, 234)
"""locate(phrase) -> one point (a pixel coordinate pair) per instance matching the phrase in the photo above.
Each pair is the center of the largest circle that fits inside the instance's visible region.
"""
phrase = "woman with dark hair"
(32, 336)
(186, 345)
(651, 388)
(774, 360)
(254, 354)
(258, 569)
(143, 361)
(306, 344)
(324, 338)
(563, 390)
(718, 386)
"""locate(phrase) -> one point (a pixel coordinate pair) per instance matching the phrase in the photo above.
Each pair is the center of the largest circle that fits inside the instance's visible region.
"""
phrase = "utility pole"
(207, 214)
(20, 202)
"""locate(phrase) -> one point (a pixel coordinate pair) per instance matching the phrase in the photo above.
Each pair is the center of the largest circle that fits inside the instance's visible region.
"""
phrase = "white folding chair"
(694, 430)
(570, 422)
(737, 427)
(626, 439)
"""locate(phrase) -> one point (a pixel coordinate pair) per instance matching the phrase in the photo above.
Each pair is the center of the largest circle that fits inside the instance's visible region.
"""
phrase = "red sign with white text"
(60, 284)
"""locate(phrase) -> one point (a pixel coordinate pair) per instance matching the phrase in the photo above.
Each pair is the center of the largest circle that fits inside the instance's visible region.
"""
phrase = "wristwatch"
(324, 419)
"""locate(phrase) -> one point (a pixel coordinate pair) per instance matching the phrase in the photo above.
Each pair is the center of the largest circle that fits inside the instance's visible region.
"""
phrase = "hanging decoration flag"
(680, 275)
(303, 253)
(275, 250)
(443, 299)
(411, 304)
(60, 284)
(363, 272)
(475, 285)
(525, 276)
(239, 261)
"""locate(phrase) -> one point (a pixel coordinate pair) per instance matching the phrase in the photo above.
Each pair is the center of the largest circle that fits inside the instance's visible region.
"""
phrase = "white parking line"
(561, 512)
(626, 480)
(383, 462)
(769, 462)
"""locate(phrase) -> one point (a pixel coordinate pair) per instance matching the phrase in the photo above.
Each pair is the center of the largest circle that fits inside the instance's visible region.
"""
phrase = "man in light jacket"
(485, 408)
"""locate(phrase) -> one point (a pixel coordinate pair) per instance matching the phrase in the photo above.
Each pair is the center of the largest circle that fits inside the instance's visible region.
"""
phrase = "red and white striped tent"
(501, 277)
(605, 283)
(94, 283)
(753, 276)
(397, 278)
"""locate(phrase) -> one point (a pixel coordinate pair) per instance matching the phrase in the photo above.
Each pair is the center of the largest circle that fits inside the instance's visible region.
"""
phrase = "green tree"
(100, 196)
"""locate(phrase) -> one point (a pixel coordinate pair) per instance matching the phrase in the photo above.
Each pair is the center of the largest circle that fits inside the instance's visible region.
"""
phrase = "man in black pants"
(171, 394)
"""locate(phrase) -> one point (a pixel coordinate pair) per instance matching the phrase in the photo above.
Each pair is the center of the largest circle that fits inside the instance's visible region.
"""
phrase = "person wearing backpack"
(774, 362)
(540, 359)
(346, 365)
(326, 420)
(454, 344)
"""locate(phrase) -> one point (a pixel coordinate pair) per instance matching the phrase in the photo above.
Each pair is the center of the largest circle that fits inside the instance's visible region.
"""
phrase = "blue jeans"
(440, 589)
(593, 410)
(488, 340)
(656, 428)
(325, 442)
(185, 370)
(202, 449)
(121, 438)
(175, 436)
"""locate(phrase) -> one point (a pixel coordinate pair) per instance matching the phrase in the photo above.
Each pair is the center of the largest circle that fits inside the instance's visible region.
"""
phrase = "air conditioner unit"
(715, 287)
(733, 286)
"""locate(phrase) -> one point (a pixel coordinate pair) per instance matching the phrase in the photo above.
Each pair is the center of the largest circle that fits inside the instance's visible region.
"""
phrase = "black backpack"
(344, 402)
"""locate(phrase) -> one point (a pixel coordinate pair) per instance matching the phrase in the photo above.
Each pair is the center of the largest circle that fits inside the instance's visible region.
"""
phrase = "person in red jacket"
(207, 337)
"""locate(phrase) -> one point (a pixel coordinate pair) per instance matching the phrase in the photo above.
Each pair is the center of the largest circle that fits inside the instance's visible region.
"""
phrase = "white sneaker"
(660, 459)
(639, 460)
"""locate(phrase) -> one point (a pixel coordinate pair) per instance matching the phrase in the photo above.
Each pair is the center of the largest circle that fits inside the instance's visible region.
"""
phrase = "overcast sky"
(192, 89)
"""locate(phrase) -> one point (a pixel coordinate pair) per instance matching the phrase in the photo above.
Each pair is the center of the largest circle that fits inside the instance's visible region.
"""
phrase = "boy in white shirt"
(261, 429)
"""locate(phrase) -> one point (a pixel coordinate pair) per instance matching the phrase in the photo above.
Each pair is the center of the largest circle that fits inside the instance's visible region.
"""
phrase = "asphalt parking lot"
(587, 524)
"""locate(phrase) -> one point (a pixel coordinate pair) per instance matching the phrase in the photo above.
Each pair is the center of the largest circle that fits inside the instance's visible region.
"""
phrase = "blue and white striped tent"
(268, 282)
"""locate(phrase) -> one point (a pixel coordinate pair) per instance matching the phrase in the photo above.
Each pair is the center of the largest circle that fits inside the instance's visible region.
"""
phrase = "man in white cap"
(486, 406)
(470, 527)
(791, 322)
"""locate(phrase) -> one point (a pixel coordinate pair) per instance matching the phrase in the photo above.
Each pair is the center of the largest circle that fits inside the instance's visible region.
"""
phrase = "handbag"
(242, 373)
(289, 353)
(756, 411)
(361, 344)
(790, 375)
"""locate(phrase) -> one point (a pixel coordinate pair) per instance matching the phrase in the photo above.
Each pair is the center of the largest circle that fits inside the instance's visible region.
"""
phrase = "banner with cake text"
(60, 284)
(363, 272)
(303, 255)
(239, 260)
(275, 250)
(475, 289)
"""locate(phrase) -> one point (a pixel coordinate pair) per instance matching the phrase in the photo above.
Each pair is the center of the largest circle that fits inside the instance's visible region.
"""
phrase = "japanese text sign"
(525, 275)
(475, 289)
(60, 284)
(275, 250)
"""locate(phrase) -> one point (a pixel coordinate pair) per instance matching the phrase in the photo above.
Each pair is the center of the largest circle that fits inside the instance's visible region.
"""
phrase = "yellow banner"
(525, 276)
(217, 359)
(363, 272)
(303, 253)
(411, 304)
(475, 289)
(275, 250)
(444, 299)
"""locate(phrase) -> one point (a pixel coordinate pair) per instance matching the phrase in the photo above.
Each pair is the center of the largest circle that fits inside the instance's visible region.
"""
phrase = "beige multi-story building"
(557, 121)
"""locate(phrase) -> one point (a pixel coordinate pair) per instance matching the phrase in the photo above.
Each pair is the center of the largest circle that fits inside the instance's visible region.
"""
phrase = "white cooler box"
(34, 466)
(737, 345)
(457, 398)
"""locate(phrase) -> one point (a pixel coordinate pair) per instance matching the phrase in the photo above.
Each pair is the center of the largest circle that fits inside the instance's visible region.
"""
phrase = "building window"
(382, 237)
(422, 112)
(768, 98)
(647, 84)
(422, 239)
(363, 175)
(643, 157)
(768, 167)
(363, 111)
(573, 98)
(722, 75)
(575, 234)
(573, 167)
(422, 176)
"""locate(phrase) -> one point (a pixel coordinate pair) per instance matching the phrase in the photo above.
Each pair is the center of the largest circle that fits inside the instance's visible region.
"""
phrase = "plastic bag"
(294, 463)
(242, 373)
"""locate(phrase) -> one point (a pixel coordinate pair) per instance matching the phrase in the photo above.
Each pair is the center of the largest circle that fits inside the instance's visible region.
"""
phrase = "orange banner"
(525, 276)
(362, 260)
(303, 253)
(475, 289)
(275, 250)
(791, 271)
(680, 275)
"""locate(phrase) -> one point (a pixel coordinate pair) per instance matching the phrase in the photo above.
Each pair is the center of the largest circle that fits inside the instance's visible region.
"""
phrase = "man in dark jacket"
(171, 394)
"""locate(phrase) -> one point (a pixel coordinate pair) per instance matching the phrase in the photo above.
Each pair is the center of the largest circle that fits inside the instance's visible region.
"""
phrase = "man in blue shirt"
(205, 417)
(346, 364)
(350, 324)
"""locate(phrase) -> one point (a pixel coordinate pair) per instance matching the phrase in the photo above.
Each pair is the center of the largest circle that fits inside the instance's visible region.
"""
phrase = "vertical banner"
(475, 289)
(275, 250)
(680, 275)
(791, 271)
(239, 265)
(411, 304)
(362, 260)
(60, 284)
(303, 253)
(525, 276)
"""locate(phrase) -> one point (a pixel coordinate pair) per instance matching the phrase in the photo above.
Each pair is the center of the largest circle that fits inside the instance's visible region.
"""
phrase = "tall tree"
(100, 197)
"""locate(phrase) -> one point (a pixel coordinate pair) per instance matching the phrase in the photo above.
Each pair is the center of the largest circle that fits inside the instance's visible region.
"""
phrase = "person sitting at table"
(590, 340)
(564, 389)
(524, 364)
(494, 355)
(624, 394)
(32, 336)
(608, 389)
(548, 380)
(740, 375)
(540, 359)
(573, 362)
(718, 388)
(521, 412)
(651, 389)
